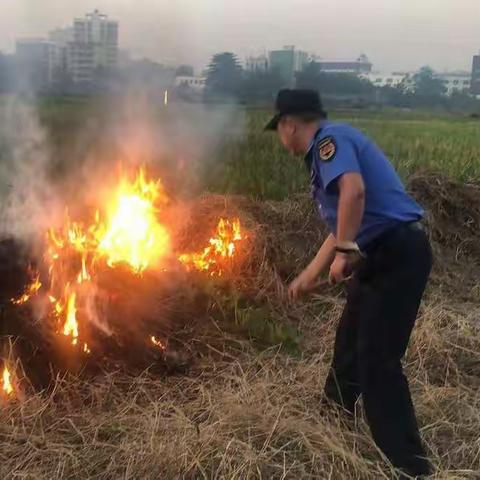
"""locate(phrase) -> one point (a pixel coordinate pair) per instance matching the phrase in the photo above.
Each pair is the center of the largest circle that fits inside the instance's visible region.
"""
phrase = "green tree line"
(227, 80)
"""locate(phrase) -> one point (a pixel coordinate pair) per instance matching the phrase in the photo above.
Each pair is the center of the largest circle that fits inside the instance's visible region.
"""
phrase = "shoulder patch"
(327, 149)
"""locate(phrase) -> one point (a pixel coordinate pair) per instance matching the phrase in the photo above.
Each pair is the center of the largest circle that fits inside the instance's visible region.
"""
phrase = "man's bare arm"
(351, 207)
(323, 259)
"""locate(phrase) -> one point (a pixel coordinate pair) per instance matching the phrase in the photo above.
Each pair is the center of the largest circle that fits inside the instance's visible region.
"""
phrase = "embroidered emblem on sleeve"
(327, 149)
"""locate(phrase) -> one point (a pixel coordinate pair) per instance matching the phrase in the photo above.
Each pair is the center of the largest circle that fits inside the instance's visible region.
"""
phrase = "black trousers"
(382, 305)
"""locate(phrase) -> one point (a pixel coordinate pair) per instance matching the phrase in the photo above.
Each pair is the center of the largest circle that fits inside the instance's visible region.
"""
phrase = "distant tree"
(406, 84)
(464, 102)
(313, 77)
(261, 86)
(425, 84)
(344, 83)
(310, 77)
(224, 77)
(396, 96)
(184, 71)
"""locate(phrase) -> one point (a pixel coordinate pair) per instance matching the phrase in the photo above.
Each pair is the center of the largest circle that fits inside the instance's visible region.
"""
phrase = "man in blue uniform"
(377, 243)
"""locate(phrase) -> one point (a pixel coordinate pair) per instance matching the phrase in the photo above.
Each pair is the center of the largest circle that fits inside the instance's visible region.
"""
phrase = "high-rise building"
(475, 80)
(61, 37)
(35, 63)
(94, 46)
(288, 62)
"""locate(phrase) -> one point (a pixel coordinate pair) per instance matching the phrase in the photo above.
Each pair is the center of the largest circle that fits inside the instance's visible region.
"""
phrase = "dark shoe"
(416, 467)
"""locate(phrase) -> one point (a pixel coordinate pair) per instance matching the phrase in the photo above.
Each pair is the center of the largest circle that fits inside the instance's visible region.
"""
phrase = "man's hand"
(340, 269)
(304, 283)
(308, 279)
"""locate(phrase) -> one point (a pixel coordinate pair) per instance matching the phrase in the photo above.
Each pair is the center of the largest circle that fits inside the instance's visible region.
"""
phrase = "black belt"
(417, 226)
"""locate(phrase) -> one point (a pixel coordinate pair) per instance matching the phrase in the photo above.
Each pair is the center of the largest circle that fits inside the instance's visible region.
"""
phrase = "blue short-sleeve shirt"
(338, 149)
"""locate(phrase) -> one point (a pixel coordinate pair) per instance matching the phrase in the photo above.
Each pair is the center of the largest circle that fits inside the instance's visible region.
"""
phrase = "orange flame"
(222, 247)
(70, 329)
(7, 386)
(30, 291)
(158, 343)
(133, 235)
(126, 231)
(83, 276)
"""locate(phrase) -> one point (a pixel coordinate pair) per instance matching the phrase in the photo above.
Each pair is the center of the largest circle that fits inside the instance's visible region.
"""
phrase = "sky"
(394, 34)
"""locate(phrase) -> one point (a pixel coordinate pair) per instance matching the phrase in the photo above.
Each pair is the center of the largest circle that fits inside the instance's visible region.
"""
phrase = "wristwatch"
(348, 248)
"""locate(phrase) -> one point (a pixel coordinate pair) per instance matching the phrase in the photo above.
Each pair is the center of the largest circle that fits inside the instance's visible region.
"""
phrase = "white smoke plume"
(28, 200)
(177, 141)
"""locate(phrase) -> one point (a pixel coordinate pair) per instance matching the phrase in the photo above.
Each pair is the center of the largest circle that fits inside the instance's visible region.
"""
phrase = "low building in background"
(393, 79)
(258, 63)
(455, 82)
(361, 66)
(190, 88)
(195, 83)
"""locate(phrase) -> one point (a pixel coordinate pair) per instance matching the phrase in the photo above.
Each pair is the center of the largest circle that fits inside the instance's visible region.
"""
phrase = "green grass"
(257, 165)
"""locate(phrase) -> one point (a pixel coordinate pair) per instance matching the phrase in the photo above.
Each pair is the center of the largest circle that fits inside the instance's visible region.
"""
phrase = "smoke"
(179, 140)
(40, 176)
(177, 143)
(28, 199)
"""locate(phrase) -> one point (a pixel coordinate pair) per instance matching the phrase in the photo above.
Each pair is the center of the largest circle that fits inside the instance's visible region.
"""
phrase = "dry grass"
(241, 411)
(253, 417)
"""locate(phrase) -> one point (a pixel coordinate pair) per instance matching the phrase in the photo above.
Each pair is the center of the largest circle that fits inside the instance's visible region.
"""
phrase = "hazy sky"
(395, 34)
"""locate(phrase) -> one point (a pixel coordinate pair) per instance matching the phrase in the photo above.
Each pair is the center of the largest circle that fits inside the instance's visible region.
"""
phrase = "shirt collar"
(321, 126)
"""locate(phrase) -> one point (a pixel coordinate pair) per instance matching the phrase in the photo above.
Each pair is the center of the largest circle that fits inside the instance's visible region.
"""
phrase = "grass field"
(254, 163)
(257, 165)
(247, 406)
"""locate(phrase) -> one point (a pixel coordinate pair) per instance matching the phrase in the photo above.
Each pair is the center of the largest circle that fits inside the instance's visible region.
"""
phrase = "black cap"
(296, 102)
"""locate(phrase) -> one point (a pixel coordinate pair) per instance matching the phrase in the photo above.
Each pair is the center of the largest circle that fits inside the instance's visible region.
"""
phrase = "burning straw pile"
(113, 287)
